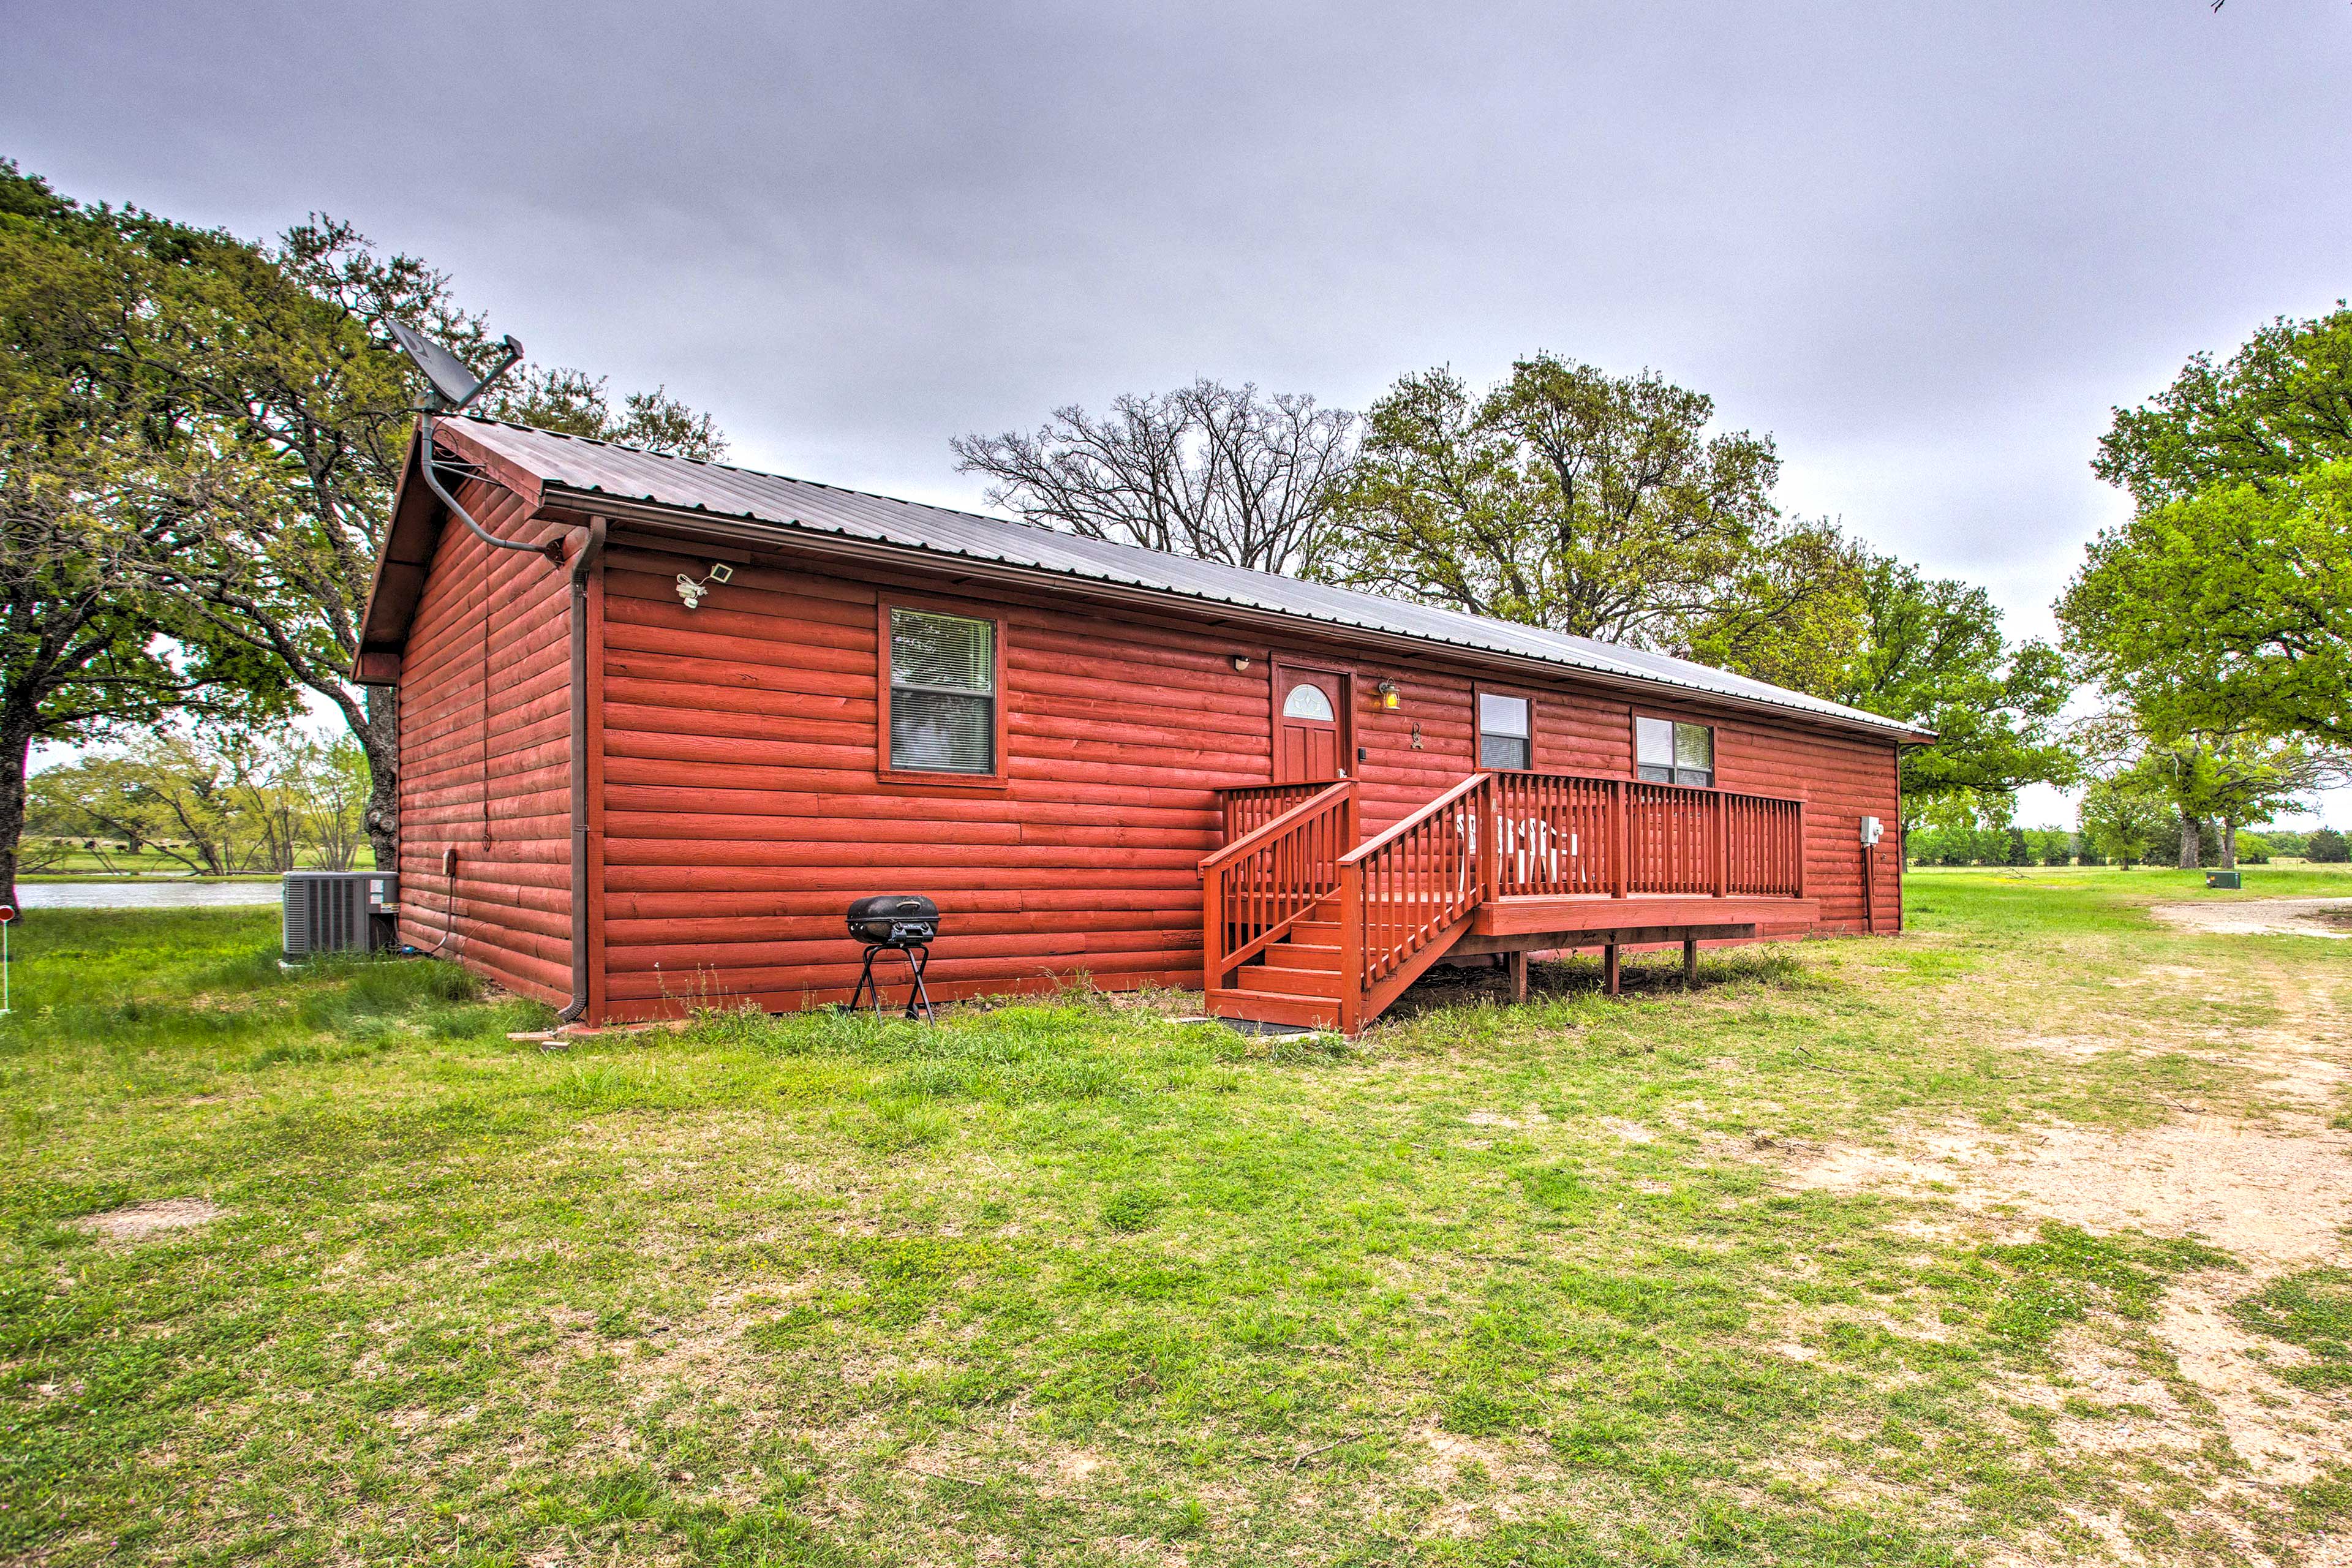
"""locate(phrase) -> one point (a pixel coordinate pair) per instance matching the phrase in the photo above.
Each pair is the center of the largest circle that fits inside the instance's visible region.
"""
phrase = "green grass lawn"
(1074, 1282)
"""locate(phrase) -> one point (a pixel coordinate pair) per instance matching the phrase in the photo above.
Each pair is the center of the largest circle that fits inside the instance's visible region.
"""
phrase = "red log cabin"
(632, 784)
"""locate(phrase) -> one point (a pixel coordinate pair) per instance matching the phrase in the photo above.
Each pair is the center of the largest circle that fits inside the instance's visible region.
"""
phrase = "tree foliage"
(2123, 815)
(2280, 405)
(262, 372)
(217, 802)
(2229, 610)
(1563, 497)
(1219, 472)
(1931, 652)
(2213, 785)
(1797, 614)
(573, 403)
(96, 465)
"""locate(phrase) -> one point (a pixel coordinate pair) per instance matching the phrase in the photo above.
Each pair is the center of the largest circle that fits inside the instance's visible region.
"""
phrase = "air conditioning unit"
(338, 911)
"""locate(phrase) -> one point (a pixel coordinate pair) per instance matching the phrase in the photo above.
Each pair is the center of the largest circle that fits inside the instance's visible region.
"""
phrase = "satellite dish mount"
(450, 385)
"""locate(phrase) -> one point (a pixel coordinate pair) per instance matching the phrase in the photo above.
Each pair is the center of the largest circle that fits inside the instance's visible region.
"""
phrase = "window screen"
(1668, 753)
(942, 693)
(1504, 737)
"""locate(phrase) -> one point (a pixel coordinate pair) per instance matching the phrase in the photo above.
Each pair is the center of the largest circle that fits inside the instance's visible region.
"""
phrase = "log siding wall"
(743, 810)
(485, 728)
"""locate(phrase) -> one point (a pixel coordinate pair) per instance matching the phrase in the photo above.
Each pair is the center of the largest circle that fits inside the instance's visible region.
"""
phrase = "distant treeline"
(2058, 846)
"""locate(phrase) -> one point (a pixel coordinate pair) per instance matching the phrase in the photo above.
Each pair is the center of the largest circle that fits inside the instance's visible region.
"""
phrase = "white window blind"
(942, 693)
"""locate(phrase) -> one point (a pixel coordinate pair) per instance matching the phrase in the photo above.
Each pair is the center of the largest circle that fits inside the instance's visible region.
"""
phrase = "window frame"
(1479, 691)
(994, 782)
(1714, 747)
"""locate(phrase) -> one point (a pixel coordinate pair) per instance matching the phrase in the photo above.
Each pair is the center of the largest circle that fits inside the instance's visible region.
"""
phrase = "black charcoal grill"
(895, 923)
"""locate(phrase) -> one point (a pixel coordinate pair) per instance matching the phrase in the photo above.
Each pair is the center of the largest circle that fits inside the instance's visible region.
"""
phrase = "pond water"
(148, 893)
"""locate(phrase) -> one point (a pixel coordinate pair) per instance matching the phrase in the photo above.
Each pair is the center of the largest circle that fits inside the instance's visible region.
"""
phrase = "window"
(1307, 701)
(1668, 753)
(942, 693)
(1505, 738)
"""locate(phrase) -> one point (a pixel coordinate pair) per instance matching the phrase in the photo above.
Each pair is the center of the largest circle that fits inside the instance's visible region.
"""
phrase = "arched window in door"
(1306, 702)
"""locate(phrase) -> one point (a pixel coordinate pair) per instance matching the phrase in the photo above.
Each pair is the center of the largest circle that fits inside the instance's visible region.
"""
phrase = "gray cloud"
(1928, 248)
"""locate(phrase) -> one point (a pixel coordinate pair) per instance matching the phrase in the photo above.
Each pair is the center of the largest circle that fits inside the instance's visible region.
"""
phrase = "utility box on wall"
(338, 911)
(1871, 831)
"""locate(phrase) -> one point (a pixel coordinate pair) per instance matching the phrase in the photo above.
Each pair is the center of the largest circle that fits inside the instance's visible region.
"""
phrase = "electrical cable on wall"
(450, 385)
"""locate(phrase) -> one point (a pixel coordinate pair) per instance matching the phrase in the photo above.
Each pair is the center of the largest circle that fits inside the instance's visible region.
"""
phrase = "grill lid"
(893, 906)
(894, 918)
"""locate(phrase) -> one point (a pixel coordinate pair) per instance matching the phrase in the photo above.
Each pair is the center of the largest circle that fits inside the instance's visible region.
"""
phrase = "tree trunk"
(16, 761)
(381, 740)
(2190, 843)
(2229, 844)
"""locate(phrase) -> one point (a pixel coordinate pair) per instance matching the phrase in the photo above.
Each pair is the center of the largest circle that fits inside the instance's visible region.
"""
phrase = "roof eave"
(745, 528)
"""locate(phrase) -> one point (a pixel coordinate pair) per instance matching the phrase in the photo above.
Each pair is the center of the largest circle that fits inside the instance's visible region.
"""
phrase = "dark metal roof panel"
(594, 467)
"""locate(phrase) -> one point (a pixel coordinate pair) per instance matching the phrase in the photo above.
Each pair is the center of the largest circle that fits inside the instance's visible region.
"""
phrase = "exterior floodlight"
(449, 386)
(690, 592)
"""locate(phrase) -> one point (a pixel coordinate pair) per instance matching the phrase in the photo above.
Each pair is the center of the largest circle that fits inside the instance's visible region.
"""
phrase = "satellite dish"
(450, 385)
(453, 383)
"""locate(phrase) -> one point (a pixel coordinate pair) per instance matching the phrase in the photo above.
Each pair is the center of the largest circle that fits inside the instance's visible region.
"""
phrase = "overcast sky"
(1927, 248)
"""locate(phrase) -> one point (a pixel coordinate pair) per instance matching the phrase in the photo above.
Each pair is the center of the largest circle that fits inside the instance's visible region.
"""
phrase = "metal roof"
(591, 468)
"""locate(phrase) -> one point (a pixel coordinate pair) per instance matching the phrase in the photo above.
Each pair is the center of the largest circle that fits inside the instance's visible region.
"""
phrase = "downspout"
(590, 553)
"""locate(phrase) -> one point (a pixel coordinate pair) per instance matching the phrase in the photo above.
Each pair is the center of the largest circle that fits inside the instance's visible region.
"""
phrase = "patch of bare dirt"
(137, 1222)
(2262, 917)
(2273, 1189)
(2285, 1433)
(2264, 1193)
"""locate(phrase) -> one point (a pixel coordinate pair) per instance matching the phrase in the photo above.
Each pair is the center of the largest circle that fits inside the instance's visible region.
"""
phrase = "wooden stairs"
(1306, 923)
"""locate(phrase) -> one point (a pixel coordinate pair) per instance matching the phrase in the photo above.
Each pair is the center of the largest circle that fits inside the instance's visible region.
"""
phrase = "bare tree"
(1219, 472)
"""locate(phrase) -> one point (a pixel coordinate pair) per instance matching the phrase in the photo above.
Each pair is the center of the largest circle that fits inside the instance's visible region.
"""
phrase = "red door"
(1309, 707)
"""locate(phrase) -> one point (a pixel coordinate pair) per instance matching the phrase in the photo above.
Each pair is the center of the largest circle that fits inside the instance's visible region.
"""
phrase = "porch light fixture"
(1240, 663)
(1389, 699)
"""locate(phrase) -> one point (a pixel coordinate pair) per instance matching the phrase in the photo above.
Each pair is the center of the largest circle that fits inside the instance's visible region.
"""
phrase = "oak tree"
(1563, 497)
(1223, 473)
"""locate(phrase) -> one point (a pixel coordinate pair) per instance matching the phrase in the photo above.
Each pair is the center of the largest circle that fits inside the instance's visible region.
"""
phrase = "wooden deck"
(1303, 924)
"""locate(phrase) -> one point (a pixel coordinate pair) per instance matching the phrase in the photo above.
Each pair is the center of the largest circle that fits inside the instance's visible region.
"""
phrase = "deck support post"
(1519, 976)
(1609, 967)
(1690, 963)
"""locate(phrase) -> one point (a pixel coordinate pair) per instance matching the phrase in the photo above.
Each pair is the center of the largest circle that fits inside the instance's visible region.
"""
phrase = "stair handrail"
(1217, 957)
(1371, 951)
(1399, 828)
(1256, 835)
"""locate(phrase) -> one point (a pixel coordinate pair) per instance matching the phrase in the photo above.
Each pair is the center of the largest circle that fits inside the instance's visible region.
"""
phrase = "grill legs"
(916, 957)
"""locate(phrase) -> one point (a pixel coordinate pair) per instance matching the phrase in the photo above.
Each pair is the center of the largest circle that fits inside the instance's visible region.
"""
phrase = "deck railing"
(1559, 833)
(1291, 855)
(1261, 884)
(1251, 807)
(1402, 890)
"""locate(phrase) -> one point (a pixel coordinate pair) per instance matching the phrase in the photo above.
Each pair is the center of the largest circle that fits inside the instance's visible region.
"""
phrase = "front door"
(1310, 705)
